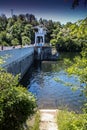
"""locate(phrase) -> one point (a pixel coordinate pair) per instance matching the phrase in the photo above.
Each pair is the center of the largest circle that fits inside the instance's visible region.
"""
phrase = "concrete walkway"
(13, 55)
(48, 119)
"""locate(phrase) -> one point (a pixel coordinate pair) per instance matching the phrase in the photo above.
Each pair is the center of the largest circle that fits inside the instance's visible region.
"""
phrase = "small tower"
(40, 35)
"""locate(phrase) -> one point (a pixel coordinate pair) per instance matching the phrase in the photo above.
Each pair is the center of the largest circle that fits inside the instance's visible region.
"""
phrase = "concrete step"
(48, 119)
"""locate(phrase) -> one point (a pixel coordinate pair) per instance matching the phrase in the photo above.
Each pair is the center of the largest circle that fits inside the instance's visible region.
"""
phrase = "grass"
(37, 122)
(34, 122)
(71, 121)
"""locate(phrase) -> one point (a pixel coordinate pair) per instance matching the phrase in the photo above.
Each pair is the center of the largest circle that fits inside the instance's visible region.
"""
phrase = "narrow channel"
(51, 93)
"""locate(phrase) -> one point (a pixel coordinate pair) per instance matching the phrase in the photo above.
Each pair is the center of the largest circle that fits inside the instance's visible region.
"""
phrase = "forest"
(19, 30)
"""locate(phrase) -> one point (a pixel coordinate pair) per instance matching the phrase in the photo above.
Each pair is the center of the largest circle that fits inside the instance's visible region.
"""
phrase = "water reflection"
(51, 93)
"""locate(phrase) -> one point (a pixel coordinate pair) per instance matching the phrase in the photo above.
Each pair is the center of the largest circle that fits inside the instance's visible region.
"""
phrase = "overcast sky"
(57, 10)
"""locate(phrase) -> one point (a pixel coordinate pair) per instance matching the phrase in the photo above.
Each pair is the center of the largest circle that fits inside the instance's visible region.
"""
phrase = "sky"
(56, 10)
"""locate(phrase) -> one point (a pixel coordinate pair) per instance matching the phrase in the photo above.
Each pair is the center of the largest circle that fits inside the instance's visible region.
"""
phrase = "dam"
(17, 61)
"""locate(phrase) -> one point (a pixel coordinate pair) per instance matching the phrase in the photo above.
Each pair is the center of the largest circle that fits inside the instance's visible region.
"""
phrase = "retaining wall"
(17, 60)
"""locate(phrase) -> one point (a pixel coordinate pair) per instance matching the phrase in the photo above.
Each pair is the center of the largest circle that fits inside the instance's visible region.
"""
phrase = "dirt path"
(48, 119)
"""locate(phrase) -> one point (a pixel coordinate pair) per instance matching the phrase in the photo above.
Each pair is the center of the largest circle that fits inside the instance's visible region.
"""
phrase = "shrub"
(53, 42)
(16, 103)
(33, 123)
(71, 121)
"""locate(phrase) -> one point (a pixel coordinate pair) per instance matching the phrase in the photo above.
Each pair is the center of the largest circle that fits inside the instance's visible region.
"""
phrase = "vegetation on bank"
(79, 68)
(33, 123)
(19, 30)
(16, 103)
(70, 120)
(70, 37)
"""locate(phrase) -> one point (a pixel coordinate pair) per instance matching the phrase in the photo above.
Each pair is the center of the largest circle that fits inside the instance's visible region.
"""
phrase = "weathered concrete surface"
(48, 119)
(17, 60)
(46, 53)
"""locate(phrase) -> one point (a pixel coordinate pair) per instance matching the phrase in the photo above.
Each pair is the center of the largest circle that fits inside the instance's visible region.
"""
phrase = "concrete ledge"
(48, 119)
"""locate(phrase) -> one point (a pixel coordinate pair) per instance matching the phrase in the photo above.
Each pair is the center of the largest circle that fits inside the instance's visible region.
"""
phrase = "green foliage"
(15, 42)
(1, 61)
(3, 58)
(37, 122)
(79, 67)
(3, 39)
(3, 22)
(70, 37)
(76, 3)
(17, 30)
(16, 103)
(26, 40)
(74, 86)
(53, 42)
(71, 121)
(33, 122)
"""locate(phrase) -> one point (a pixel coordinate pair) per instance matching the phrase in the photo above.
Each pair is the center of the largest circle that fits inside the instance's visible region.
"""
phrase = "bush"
(53, 42)
(71, 121)
(33, 123)
(16, 103)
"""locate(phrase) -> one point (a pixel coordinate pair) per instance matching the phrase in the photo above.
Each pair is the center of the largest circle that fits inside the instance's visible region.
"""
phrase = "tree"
(26, 40)
(28, 30)
(73, 36)
(3, 22)
(76, 3)
(3, 39)
(16, 31)
(21, 17)
(15, 42)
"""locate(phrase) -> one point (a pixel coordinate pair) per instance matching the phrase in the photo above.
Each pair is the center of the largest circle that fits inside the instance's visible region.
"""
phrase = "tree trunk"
(2, 47)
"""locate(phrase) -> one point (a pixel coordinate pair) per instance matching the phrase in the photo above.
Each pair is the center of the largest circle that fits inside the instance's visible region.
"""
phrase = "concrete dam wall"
(45, 53)
(17, 61)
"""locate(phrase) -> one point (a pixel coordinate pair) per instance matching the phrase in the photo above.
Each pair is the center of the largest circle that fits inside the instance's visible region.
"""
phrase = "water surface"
(52, 93)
